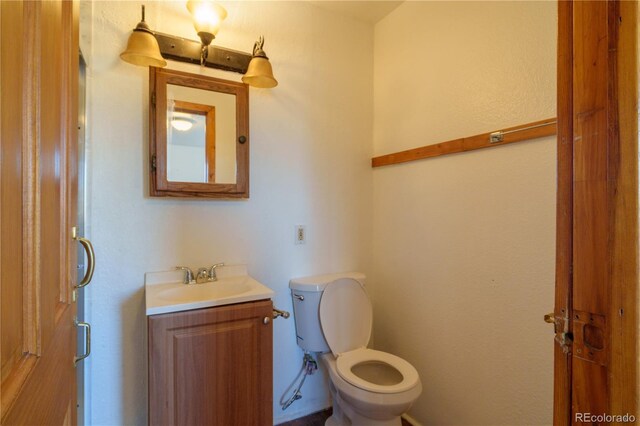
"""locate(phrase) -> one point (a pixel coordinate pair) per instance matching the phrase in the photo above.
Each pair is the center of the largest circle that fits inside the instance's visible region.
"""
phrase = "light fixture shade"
(207, 17)
(260, 74)
(142, 49)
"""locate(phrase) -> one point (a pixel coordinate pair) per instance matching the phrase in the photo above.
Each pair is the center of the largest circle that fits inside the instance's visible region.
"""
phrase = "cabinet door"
(212, 366)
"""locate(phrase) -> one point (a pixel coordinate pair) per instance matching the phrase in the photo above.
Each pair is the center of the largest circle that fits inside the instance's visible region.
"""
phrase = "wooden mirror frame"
(159, 186)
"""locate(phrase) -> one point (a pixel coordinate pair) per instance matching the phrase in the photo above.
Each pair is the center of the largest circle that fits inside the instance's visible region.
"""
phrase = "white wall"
(310, 152)
(463, 251)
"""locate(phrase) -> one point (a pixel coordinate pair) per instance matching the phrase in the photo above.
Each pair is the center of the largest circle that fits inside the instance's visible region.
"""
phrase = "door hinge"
(153, 162)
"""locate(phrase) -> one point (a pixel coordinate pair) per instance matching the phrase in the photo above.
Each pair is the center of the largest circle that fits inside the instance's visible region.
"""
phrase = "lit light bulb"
(207, 16)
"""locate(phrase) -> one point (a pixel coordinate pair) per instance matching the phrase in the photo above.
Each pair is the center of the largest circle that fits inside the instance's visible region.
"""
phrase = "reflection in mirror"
(186, 135)
(201, 128)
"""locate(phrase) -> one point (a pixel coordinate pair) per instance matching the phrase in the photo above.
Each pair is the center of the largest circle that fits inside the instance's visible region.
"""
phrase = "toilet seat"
(346, 361)
(346, 317)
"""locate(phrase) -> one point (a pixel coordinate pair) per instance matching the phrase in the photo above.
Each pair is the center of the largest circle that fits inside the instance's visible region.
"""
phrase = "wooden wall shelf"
(536, 129)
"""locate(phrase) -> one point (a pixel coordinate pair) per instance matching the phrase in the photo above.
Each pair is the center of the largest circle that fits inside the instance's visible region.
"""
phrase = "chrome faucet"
(212, 272)
(202, 276)
(188, 274)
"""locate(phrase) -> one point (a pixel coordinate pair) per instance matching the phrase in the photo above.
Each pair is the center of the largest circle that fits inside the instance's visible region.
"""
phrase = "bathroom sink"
(166, 293)
(214, 290)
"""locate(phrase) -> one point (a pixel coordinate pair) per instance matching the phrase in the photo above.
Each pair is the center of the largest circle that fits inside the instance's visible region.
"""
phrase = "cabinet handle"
(91, 258)
(87, 337)
(266, 320)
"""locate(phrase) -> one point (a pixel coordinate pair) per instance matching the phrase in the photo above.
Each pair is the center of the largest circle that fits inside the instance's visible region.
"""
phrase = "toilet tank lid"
(319, 282)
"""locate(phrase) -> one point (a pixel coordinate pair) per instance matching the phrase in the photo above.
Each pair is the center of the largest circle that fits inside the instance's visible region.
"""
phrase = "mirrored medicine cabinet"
(198, 136)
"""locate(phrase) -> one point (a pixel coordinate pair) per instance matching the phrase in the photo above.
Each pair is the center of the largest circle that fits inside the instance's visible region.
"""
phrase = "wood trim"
(31, 179)
(623, 190)
(65, 135)
(591, 206)
(564, 215)
(469, 143)
(69, 182)
(192, 107)
(210, 144)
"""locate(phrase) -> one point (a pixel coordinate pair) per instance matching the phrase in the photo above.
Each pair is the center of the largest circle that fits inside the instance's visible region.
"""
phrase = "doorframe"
(612, 384)
(80, 226)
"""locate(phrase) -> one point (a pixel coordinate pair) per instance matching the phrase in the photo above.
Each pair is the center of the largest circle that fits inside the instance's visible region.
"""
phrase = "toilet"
(333, 316)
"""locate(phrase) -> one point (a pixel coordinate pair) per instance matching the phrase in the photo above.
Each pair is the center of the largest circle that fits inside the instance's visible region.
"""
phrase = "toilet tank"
(306, 293)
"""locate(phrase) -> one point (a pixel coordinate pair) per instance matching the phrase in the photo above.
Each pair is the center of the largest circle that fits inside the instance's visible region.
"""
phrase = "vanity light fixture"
(150, 48)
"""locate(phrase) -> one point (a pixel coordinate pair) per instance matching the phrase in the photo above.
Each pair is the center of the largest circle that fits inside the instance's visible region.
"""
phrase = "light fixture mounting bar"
(185, 50)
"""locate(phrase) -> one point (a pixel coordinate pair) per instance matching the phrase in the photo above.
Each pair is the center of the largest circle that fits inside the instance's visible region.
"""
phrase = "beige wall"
(310, 152)
(464, 245)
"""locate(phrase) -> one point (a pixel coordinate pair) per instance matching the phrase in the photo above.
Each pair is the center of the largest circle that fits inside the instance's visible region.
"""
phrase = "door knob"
(550, 318)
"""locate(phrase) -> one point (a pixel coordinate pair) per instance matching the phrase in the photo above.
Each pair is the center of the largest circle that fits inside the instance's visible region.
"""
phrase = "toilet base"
(345, 415)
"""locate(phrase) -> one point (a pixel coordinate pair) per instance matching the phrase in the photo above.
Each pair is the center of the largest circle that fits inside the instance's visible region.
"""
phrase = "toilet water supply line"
(309, 366)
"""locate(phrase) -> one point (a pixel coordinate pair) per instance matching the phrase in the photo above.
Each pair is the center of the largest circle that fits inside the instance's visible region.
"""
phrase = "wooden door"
(38, 206)
(212, 366)
(596, 312)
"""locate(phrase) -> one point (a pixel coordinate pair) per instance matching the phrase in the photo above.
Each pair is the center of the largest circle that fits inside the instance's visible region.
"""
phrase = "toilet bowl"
(374, 399)
(368, 387)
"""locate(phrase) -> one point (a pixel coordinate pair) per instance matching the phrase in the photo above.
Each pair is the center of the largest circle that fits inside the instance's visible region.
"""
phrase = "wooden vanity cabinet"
(212, 366)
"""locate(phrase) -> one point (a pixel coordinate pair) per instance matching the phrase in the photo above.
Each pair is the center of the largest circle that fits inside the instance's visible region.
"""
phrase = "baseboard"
(411, 420)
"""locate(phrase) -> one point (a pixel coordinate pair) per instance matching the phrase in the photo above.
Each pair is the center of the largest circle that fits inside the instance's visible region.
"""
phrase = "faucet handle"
(202, 276)
(212, 271)
(188, 274)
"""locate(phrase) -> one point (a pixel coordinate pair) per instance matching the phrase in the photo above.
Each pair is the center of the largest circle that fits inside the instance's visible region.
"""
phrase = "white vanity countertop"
(165, 292)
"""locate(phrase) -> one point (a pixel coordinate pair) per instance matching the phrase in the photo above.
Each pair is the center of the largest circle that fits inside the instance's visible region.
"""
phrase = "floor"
(317, 419)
